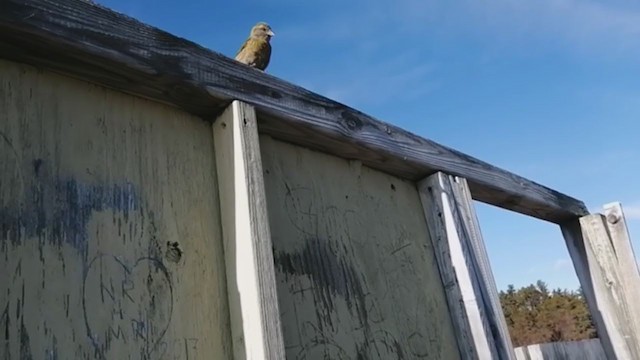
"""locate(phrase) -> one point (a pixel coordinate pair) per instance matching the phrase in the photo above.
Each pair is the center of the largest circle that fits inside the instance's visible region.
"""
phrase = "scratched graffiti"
(107, 249)
(381, 345)
(40, 214)
(356, 274)
(179, 349)
(127, 305)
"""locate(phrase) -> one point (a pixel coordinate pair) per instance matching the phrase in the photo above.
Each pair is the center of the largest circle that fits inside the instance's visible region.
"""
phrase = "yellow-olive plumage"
(256, 50)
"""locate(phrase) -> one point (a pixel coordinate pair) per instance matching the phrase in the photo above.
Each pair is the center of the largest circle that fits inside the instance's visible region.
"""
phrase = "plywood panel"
(110, 240)
(356, 272)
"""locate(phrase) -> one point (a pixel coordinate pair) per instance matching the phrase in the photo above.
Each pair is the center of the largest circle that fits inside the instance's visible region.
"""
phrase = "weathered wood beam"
(253, 301)
(463, 262)
(100, 45)
(603, 258)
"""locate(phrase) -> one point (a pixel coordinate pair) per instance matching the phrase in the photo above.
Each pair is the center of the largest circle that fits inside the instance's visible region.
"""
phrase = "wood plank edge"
(259, 211)
(254, 315)
(456, 267)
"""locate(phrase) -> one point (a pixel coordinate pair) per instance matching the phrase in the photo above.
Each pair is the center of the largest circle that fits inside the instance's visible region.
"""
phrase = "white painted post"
(464, 268)
(253, 303)
(603, 257)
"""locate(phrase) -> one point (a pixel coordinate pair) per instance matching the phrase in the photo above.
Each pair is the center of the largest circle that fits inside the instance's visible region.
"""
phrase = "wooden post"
(603, 257)
(253, 303)
(464, 268)
(621, 242)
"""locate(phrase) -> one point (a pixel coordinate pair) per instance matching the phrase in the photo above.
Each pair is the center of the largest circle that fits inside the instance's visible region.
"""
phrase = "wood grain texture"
(626, 261)
(94, 43)
(564, 350)
(605, 284)
(110, 236)
(489, 290)
(356, 272)
(255, 318)
(464, 268)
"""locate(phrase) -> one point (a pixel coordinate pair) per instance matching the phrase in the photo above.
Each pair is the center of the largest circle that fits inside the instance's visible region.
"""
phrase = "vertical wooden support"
(464, 268)
(255, 318)
(625, 255)
(603, 257)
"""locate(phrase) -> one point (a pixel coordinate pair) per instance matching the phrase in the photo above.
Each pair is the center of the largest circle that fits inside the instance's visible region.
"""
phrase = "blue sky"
(547, 89)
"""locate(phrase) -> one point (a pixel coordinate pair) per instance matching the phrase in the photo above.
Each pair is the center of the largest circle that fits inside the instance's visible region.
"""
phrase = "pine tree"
(536, 315)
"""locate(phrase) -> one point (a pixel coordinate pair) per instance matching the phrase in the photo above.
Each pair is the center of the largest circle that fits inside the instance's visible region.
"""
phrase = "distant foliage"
(536, 315)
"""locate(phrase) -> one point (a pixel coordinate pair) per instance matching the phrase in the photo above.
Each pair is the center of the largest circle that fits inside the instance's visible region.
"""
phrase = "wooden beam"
(97, 44)
(464, 268)
(251, 284)
(602, 255)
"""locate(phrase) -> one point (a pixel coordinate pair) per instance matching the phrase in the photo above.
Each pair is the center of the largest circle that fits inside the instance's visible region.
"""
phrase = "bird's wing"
(255, 53)
(244, 45)
(264, 55)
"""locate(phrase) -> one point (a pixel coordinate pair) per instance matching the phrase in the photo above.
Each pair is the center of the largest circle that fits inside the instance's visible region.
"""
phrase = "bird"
(256, 50)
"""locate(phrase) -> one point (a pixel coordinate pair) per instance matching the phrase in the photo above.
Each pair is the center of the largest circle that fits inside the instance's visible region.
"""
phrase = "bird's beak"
(271, 33)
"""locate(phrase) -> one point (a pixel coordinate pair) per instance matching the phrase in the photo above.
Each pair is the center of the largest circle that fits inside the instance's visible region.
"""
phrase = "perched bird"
(256, 50)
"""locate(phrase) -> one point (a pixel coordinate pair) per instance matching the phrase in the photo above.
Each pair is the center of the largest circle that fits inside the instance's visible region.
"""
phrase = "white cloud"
(631, 212)
(562, 264)
(365, 33)
(582, 24)
(595, 162)
(362, 79)
(384, 82)
(586, 24)
(549, 268)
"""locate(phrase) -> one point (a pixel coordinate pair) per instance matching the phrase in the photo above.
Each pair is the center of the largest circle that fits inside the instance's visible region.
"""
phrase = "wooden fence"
(161, 201)
(568, 350)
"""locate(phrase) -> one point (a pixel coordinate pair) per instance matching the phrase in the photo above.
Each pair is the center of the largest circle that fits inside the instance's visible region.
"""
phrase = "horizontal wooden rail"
(96, 44)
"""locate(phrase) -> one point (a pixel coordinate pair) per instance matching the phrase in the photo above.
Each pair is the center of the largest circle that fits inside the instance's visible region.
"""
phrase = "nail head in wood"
(613, 218)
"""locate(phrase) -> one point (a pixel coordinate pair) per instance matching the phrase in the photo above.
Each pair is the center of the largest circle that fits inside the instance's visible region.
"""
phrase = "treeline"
(536, 315)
